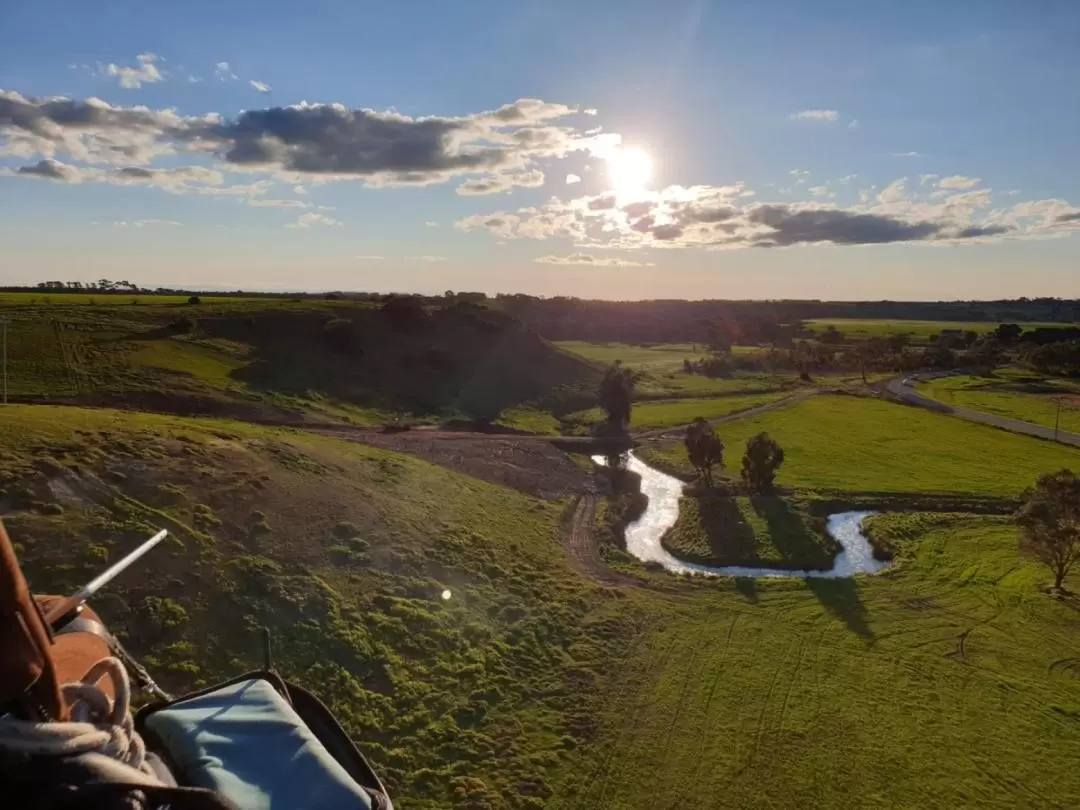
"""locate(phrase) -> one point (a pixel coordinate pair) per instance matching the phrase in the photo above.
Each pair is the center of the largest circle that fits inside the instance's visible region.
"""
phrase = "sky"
(624, 150)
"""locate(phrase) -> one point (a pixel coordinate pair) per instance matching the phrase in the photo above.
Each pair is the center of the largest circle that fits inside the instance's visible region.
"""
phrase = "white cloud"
(262, 87)
(370, 258)
(800, 175)
(195, 79)
(271, 203)
(904, 154)
(223, 71)
(853, 123)
(431, 224)
(130, 78)
(712, 218)
(925, 179)
(571, 179)
(590, 111)
(311, 219)
(815, 115)
(589, 259)
(426, 259)
(143, 223)
(847, 178)
(299, 190)
(958, 181)
(893, 192)
(820, 191)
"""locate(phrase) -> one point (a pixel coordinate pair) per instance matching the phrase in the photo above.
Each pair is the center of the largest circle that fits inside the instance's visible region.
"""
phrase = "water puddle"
(663, 491)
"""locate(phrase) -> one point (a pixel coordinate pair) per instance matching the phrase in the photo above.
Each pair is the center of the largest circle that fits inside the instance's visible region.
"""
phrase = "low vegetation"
(856, 444)
(761, 531)
(343, 550)
(1013, 393)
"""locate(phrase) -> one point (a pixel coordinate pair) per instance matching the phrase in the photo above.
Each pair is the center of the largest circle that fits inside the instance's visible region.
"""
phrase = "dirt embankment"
(525, 464)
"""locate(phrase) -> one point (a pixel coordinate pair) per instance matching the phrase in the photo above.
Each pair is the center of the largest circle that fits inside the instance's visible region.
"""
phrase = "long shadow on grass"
(800, 546)
(731, 540)
(840, 597)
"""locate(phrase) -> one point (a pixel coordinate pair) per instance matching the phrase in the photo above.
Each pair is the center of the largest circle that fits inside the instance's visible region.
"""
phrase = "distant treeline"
(657, 321)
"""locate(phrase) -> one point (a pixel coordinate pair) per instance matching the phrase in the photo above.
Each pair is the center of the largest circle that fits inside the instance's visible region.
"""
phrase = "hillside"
(434, 612)
(284, 360)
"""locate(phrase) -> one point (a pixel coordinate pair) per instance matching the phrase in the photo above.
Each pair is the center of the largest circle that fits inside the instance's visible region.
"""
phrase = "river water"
(663, 491)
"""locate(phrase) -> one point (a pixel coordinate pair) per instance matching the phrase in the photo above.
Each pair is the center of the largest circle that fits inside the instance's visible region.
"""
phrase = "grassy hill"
(348, 361)
(345, 552)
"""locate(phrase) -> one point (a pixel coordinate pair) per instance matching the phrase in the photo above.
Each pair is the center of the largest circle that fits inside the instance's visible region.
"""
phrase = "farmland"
(856, 444)
(920, 331)
(1013, 393)
(950, 679)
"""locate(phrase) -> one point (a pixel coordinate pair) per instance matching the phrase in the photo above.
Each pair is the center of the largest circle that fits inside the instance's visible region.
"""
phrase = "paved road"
(908, 394)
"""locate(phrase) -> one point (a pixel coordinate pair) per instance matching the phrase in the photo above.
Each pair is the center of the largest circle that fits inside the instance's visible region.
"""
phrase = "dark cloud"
(602, 203)
(383, 148)
(498, 183)
(51, 170)
(975, 231)
(638, 209)
(1071, 216)
(792, 226)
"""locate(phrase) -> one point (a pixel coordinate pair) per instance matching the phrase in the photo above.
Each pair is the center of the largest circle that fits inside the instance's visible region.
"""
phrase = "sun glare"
(629, 169)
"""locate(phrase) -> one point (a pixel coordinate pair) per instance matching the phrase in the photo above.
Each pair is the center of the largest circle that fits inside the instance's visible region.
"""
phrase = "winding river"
(663, 491)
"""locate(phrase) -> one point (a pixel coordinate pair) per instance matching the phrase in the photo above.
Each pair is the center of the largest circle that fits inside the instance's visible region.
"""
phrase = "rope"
(98, 725)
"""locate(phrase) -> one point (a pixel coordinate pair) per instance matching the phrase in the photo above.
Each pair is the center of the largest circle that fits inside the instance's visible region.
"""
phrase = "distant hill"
(274, 359)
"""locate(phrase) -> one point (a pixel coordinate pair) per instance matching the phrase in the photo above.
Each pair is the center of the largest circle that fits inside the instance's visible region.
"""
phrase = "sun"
(629, 169)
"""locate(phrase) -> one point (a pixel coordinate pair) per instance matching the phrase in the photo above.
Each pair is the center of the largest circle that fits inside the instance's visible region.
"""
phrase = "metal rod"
(83, 595)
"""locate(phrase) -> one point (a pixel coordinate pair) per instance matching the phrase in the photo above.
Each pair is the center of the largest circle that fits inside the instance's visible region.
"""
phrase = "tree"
(831, 336)
(1050, 522)
(194, 300)
(617, 394)
(704, 448)
(762, 459)
(1007, 333)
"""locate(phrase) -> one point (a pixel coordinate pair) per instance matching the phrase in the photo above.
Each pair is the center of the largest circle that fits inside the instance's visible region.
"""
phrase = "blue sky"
(839, 150)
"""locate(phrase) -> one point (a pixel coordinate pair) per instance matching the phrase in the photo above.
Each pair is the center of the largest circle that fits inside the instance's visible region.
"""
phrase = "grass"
(949, 681)
(861, 329)
(663, 413)
(660, 358)
(867, 445)
(343, 550)
(763, 531)
(533, 420)
(1013, 393)
(277, 360)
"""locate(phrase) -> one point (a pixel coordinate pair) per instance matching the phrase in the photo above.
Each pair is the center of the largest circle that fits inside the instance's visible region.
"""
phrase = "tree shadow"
(793, 535)
(840, 597)
(747, 588)
(730, 538)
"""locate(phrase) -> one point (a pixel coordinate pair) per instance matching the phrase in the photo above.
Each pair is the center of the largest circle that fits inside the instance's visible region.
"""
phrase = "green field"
(284, 360)
(1014, 393)
(867, 445)
(862, 329)
(951, 681)
(764, 532)
(663, 413)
